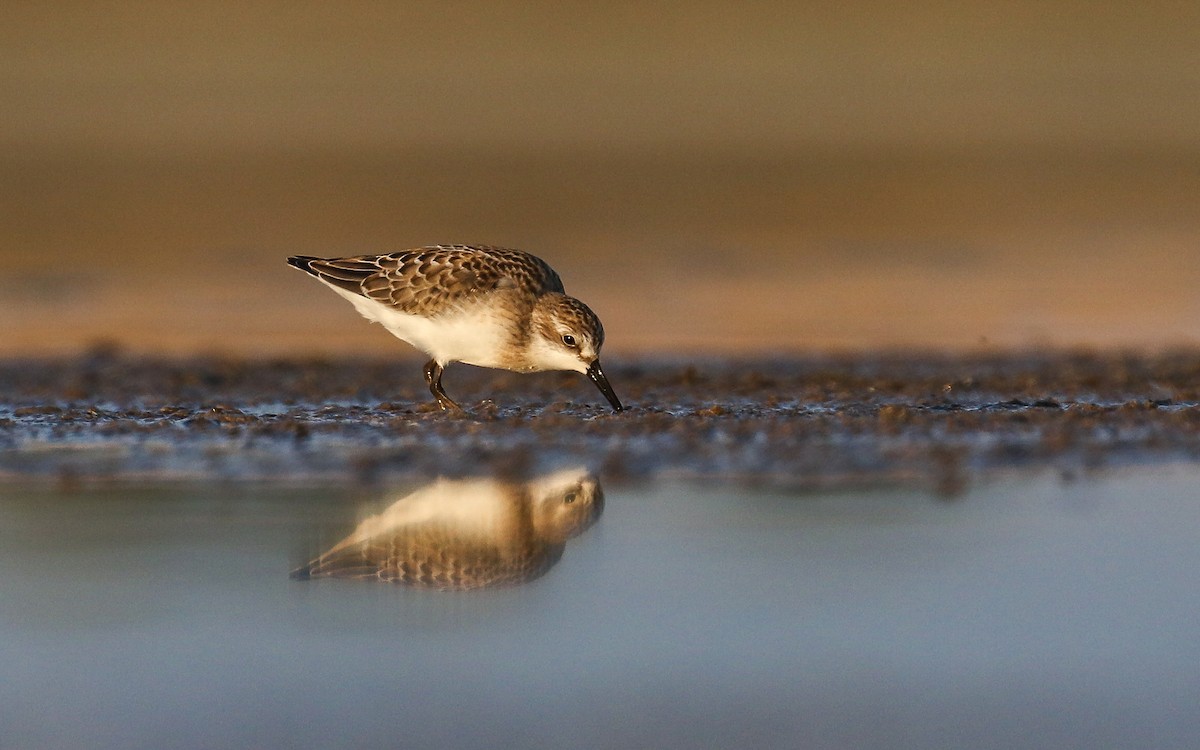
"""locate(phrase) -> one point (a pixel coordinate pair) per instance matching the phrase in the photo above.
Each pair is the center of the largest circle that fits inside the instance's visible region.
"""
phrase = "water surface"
(1029, 612)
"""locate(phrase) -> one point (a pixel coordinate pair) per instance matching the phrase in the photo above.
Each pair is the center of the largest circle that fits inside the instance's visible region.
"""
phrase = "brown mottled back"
(430, 280)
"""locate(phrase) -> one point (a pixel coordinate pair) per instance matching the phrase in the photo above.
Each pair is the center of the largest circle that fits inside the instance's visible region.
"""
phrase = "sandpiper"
(467, 534)
(485, 306)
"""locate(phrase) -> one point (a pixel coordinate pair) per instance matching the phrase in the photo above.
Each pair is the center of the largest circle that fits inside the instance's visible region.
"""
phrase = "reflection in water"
(467, 534)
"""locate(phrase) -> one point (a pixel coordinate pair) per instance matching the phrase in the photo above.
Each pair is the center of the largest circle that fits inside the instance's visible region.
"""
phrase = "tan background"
(708, 176)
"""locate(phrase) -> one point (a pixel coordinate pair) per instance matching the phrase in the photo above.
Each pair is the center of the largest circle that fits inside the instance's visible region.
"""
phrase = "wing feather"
(429, 280)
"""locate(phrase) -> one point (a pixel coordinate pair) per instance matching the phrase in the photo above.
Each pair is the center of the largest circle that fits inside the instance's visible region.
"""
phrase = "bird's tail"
(343, 273)
(303, 262)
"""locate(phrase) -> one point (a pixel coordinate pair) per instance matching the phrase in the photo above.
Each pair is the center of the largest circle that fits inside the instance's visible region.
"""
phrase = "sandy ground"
(736, 254)
(934, 421)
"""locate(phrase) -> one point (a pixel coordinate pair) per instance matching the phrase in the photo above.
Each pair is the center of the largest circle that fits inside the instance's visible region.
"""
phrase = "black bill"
(596, 375)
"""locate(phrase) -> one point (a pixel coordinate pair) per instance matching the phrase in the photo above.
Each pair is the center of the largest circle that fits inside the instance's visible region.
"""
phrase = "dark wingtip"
(302, 573)
(302, 262)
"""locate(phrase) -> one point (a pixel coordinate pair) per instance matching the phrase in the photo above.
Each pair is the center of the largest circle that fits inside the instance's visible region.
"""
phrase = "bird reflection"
(458, 535)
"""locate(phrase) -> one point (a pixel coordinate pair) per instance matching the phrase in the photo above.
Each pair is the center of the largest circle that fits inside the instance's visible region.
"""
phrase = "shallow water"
(1028, 612)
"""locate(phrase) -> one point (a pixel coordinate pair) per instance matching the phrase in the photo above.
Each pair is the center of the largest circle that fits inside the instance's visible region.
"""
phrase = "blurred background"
(731, 178)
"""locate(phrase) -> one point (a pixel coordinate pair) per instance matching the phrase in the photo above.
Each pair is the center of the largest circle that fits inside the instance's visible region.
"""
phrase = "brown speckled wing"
(430, 280)
(435, 556)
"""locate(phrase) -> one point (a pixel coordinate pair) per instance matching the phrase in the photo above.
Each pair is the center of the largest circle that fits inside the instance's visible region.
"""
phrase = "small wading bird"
(485, 306)
(458, 535)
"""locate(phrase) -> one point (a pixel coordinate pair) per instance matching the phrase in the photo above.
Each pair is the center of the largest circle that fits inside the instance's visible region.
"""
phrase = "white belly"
(471, 338)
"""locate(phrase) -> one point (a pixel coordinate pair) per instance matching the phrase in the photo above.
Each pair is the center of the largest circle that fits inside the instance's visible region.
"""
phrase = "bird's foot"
(449, 405)
(433, 378)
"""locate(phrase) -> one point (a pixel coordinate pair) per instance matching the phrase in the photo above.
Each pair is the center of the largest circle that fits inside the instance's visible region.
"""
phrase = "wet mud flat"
(938, 421)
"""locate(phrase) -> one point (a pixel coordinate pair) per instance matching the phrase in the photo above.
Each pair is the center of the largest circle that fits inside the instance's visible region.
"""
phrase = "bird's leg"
(433, 378)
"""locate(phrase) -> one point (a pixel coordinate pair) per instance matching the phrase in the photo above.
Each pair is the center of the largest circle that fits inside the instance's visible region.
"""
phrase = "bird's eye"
(569, 497)
(569, 340)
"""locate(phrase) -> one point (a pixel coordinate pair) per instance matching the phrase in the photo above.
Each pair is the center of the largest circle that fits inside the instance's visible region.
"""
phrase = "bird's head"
(565, 503)
(567, 335)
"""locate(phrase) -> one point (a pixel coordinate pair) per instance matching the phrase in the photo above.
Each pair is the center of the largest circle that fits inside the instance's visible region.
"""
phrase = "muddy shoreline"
(935, 421)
